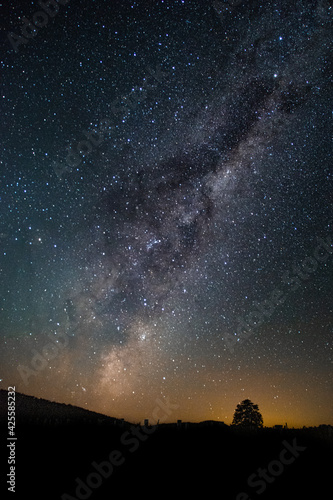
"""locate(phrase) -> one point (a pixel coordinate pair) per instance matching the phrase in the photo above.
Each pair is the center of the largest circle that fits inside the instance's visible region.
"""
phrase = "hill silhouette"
(65, 452)
(32, 410)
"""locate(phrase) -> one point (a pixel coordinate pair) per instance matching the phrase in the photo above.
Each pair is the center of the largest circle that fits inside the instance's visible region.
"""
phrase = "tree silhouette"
(247, 415)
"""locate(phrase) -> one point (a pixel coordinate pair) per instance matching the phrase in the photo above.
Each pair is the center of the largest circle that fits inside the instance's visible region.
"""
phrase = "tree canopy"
(247, 414)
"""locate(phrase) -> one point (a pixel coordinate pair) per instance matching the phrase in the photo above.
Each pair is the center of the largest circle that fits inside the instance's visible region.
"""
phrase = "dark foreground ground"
(67, 453)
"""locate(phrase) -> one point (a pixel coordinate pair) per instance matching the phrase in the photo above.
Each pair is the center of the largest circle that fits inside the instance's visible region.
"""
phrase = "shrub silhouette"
(247, 415)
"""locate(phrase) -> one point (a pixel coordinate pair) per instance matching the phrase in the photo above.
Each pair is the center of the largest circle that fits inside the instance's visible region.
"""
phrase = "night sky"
(166, 206)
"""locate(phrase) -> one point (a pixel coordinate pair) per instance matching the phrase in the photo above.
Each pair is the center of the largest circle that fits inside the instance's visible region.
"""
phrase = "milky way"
(213, 179)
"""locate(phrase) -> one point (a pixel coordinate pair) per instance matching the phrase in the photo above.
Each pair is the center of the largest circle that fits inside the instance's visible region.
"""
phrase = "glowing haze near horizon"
(215, 180)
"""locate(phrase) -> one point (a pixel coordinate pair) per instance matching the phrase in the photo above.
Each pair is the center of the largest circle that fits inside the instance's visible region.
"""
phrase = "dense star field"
(166, 206)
